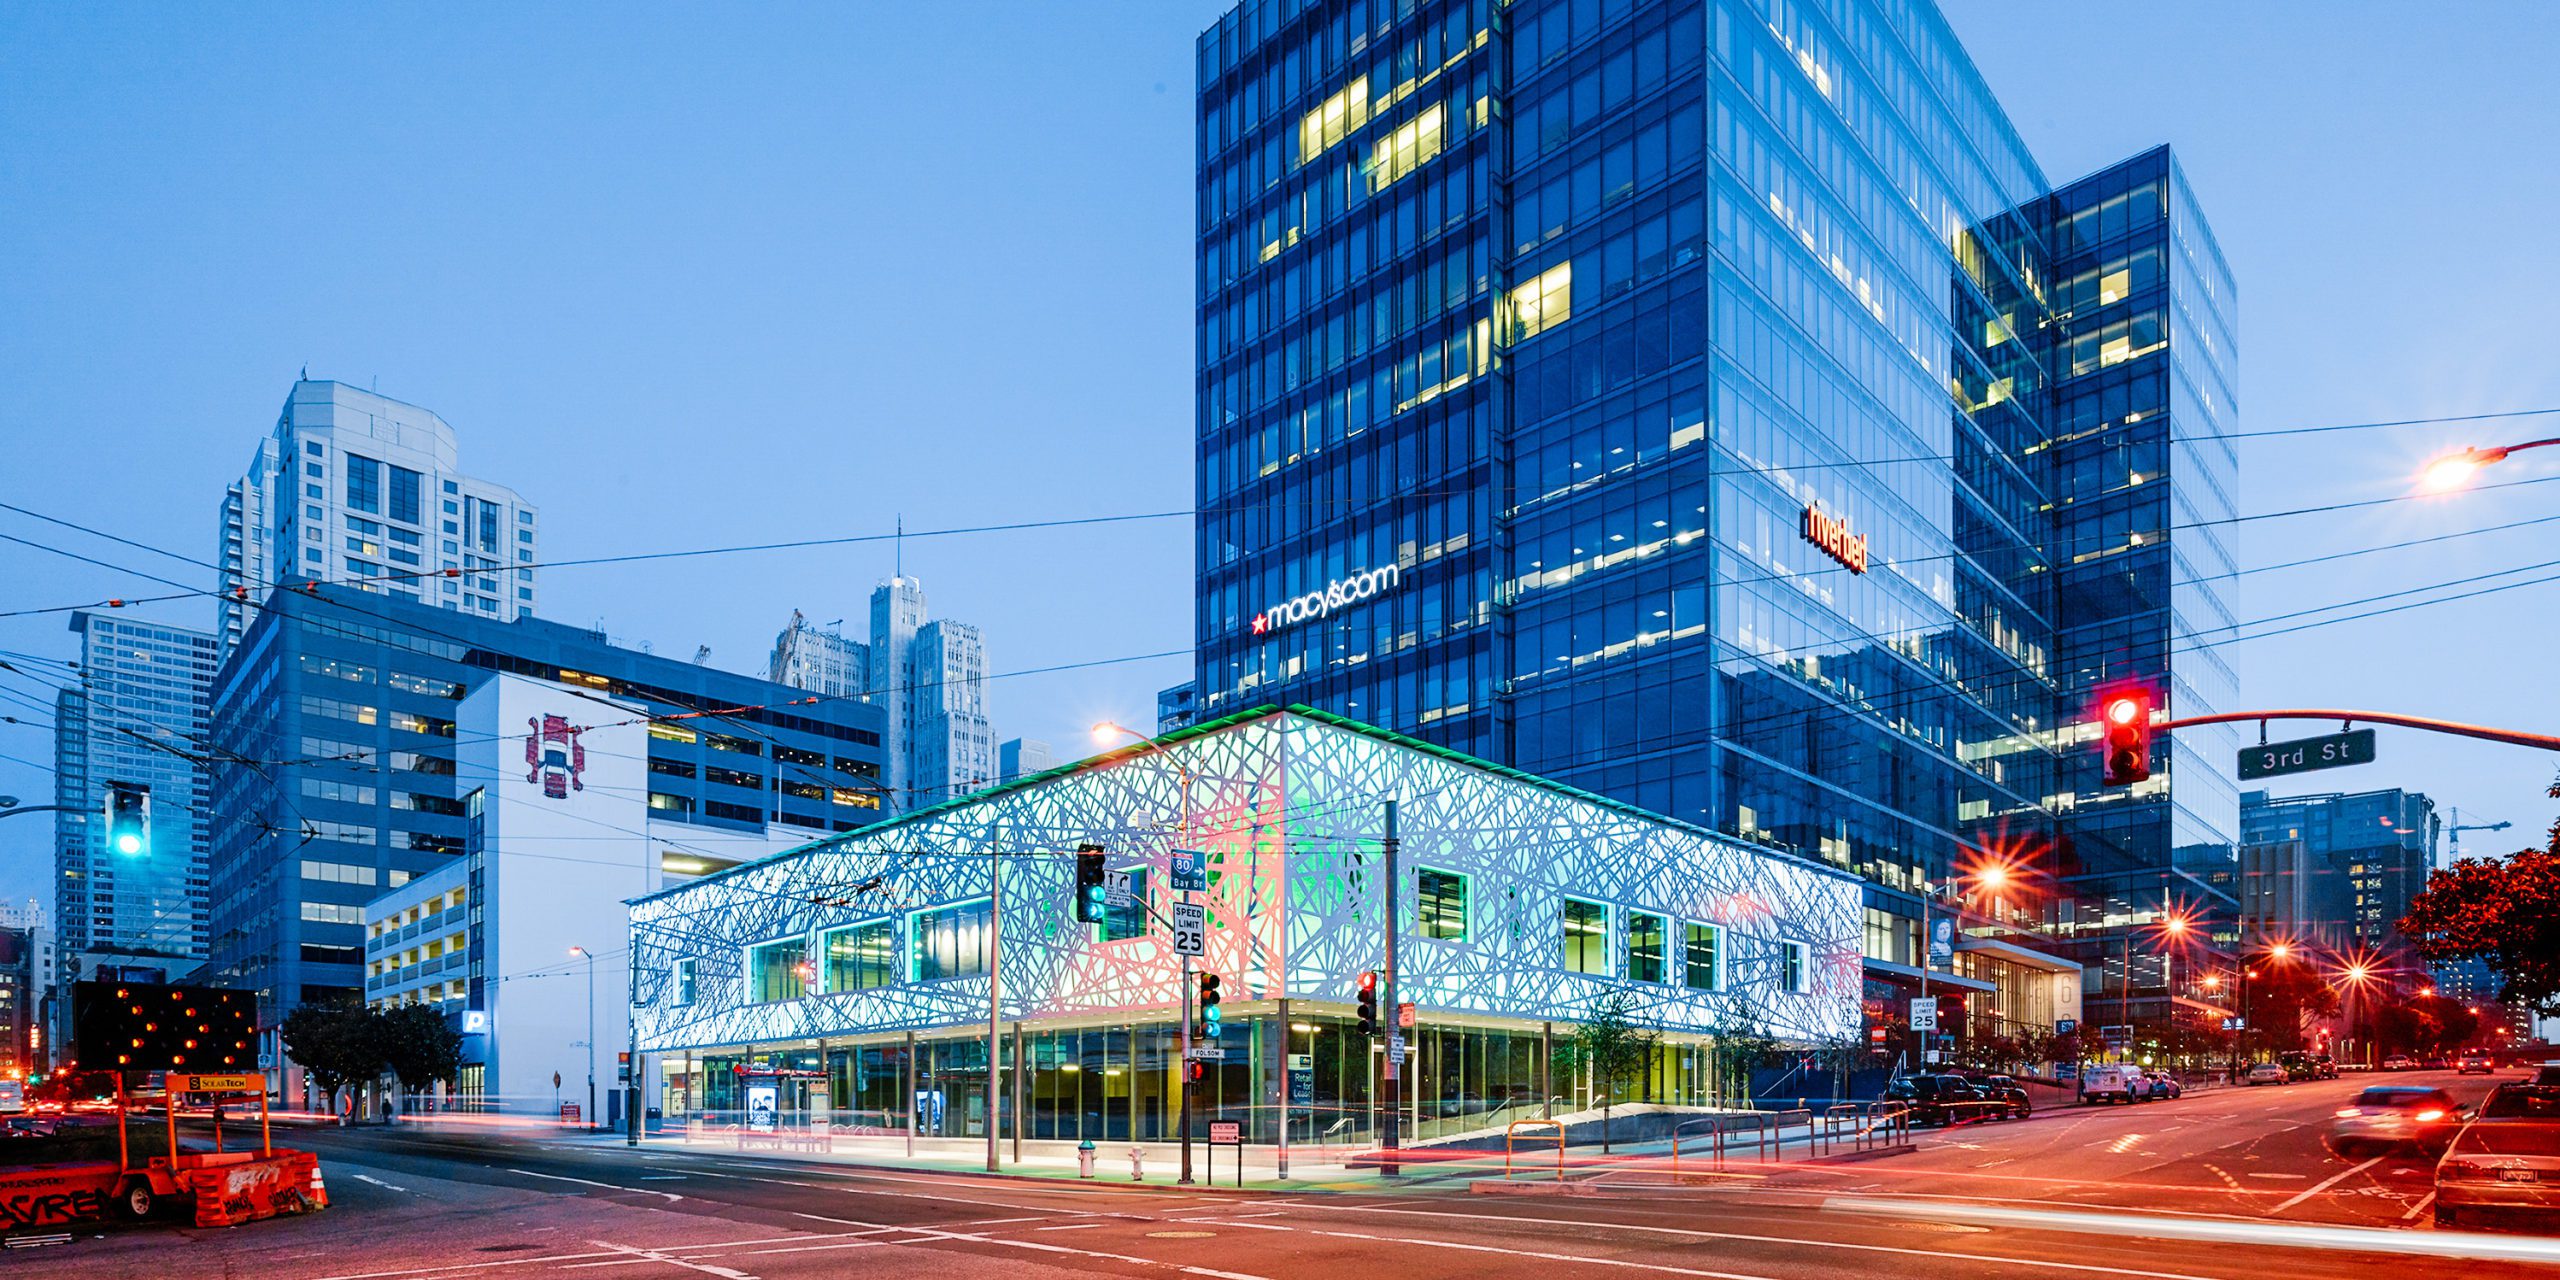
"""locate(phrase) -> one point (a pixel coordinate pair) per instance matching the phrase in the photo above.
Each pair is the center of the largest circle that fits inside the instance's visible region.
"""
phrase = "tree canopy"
(2505, 912)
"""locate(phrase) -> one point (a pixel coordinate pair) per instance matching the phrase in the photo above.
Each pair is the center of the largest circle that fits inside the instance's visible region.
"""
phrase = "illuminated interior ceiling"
(1287, 806)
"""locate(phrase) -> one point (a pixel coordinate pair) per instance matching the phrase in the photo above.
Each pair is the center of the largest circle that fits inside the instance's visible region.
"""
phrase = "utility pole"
(995, 998)
(1395, 1013)
(631, 1053)
(1182, 1077)
(1928, 943)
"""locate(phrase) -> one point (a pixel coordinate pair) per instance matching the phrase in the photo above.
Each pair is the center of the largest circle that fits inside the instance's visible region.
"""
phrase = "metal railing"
(1511, 1139)
(1764, 1132)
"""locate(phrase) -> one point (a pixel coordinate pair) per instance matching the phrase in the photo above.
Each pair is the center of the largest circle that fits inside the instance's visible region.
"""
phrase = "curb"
(1494, 1187)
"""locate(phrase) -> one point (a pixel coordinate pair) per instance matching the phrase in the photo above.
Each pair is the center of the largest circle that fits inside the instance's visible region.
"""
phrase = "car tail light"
(2431, 1113)
(2347, 1112)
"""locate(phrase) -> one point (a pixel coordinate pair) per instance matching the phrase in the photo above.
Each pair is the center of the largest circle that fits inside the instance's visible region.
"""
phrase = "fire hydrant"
(1084, 1158)
(1137, 1164)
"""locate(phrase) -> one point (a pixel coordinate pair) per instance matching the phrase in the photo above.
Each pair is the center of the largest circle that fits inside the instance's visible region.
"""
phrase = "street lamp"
(2454, 470)
(590, 958)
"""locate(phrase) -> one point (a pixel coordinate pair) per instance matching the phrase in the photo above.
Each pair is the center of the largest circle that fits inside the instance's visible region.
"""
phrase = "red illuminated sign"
(1832, 535)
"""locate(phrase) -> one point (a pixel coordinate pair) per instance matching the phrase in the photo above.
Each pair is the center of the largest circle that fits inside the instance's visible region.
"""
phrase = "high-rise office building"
(2355, 862)
(136, 717)
(1022, 757)
(819, 659)
(1676, 399)
(350, 702)
(358, 487)
(929, 676)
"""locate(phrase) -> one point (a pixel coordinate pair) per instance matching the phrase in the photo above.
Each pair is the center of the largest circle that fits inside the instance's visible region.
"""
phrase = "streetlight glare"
(1105, 730)
(2452, 471)
(577, 951)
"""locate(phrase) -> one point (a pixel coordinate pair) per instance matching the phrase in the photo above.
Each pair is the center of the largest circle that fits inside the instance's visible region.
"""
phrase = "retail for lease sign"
(1831, 533)
(1341, 593)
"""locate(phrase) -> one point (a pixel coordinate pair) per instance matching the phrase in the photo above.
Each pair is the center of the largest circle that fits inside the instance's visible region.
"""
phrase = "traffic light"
(1209, 1015)
(2124, 724)
(129, 818)
(1091, 902)
(1369, 1003)
(1195, 1071)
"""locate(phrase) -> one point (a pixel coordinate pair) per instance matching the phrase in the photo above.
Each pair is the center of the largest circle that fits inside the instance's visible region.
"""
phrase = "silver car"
(2392, 1117)
(2507, 1159)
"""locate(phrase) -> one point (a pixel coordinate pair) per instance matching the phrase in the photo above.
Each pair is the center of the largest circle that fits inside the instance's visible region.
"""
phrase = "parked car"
(2006, 1089)
(2113, 1084)
(2161, 1085)
(2480, 1062)
(2392, 1117)
(2547, 1074)
(1944, 1100)
(2267, 1073)
(2399, 1062)
(2324, 1066)
(2506, 1159)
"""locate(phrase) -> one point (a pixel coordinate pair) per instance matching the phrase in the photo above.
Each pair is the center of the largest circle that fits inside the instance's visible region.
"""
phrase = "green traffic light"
(128, 843)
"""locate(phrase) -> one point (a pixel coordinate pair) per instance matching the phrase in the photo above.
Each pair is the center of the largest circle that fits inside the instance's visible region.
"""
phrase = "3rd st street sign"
(2329, 751)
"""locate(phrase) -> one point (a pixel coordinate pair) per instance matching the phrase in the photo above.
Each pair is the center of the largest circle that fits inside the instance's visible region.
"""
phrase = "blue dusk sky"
(689, 277)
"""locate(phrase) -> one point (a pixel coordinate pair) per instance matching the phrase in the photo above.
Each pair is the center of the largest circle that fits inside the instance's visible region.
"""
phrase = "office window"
(1542, 302)
(364, 484)
(664, 803)
(1647, 936)
(773, 970)
(862, 957)
(1440, 901)
(1704, 945)
(405, 498)
(1586, 937)
(313, 448)
(1791, 973)
(1121, 923)
(683, 993)
(951, 942)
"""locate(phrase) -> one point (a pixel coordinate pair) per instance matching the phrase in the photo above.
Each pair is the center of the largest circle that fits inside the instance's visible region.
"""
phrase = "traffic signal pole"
(1394, 1012)
(2512, 737)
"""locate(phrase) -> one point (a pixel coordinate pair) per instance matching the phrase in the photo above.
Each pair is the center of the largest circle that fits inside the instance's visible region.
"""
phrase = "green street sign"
(2302, 755)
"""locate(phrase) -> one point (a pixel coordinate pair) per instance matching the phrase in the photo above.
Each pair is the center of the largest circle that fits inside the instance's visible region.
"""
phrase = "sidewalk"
(1310, 1168)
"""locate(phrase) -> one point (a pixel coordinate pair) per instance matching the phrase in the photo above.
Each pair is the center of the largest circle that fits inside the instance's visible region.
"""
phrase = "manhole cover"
(1180, 1235)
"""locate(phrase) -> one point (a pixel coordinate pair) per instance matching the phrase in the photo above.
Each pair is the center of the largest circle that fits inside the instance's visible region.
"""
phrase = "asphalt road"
(2251, 1151)
(415, 1206)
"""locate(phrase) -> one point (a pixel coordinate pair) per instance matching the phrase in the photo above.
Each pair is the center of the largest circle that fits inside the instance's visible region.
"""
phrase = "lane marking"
(2333, 1180)
(813, 1248)
(2419, 1207)
(1073, 1226)
(1041, 1246)
(460, 1266)
(1696, 1234)
(380, 1183)
(1665, 1268)
(636, 1191)
(652, 1255)
(793, 1238)
(2466, 1245)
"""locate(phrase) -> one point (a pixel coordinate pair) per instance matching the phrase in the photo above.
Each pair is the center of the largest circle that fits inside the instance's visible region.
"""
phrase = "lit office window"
(1704, 943)
(951, 942)
(862, 957)
(1542, 301)
(773, 970)
(1407, 147)
(1791, 966)
(1647, 936)
(1441, 899)
(1586, 937)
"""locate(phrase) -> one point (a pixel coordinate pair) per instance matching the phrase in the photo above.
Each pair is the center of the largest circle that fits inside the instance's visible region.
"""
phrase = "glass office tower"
(1655, 396)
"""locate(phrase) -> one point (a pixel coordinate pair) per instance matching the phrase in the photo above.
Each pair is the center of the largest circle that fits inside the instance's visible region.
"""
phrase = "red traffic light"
(1369, 981)
(2125, 737)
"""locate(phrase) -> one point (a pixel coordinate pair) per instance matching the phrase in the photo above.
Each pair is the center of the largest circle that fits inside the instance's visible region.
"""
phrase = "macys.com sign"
(1337, 594)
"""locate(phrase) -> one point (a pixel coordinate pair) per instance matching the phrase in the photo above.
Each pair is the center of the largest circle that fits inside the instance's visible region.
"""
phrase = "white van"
(13, 1097)
(2113, 1084)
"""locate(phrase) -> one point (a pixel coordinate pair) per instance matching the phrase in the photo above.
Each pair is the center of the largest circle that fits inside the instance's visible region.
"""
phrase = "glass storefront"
(1117, 1082)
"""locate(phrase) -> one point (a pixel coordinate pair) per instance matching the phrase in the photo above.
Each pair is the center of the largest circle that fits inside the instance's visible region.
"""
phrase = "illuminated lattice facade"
(1288, 806)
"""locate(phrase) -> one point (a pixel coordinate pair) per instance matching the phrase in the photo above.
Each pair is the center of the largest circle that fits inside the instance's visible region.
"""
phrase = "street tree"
(418, 1046)
(335, 1043)
(2505, 912)
(1610, 1048)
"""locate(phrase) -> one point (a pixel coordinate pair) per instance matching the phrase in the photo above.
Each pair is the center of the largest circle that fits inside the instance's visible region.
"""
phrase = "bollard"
(1137, 1164)
(1084, 1158)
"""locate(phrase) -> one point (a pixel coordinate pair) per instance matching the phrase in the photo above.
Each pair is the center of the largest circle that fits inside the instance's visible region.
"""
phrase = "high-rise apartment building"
(1712, 404)
(351, 702)
(929, 676)
(361, 488)
(819, 659)
(138, 717)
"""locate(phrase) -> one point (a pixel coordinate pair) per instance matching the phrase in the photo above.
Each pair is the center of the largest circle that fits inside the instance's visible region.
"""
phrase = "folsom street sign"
(1832, 535)
(1337, 594)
